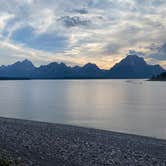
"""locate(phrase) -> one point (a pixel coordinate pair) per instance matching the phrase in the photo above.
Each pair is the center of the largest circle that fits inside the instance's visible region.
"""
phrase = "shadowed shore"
(28, 143)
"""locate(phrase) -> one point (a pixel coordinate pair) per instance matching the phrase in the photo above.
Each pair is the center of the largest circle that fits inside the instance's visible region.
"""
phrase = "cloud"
(159, 53)
(134, 52)
(78, 31)
(74, 21)
(113, 48)
(80, 11)
(4, 17)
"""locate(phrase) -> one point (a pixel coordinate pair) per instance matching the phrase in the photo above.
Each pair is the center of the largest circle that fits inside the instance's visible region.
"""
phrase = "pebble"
(32, 143)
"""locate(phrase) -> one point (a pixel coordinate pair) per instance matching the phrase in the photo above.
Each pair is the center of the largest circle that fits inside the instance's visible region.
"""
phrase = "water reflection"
(133, 106)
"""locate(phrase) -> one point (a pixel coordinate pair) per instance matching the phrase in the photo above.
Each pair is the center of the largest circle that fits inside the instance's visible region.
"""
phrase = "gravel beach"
(27, 143)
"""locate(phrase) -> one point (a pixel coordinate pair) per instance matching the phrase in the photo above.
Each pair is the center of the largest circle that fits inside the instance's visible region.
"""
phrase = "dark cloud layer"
(159, 53)
(74, 21)
(81, 11)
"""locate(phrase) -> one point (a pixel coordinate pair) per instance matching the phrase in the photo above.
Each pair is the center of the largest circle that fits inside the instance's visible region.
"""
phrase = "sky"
(80, 31)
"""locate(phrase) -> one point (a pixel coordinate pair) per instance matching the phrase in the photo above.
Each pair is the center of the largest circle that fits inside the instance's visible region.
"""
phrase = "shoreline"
(39, 143)
(86, 78)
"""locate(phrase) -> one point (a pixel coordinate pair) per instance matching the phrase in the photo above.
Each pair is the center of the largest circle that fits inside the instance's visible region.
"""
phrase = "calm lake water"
(132, 106)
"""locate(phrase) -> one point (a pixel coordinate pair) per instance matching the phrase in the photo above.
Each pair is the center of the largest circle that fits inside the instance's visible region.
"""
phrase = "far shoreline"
(12, 79)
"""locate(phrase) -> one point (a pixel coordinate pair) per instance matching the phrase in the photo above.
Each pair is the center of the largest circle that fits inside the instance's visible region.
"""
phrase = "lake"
(131, 106)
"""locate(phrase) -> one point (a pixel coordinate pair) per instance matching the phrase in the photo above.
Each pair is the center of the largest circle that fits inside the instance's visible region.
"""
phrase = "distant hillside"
(134, 67)
(24, 69)
(130, 67)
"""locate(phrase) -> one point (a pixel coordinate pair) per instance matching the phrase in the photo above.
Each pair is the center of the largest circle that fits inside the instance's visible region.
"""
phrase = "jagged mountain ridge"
(134, 66)
(130, 67)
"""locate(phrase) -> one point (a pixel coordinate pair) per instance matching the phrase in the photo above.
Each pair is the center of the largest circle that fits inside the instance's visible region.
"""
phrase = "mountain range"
(132, 66)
